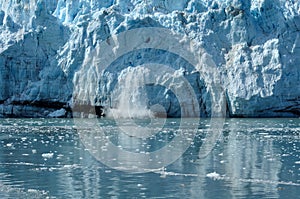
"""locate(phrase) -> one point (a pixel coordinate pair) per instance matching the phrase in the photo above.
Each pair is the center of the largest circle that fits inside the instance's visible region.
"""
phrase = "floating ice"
(59, 113)
(47, 155)
(213, 175)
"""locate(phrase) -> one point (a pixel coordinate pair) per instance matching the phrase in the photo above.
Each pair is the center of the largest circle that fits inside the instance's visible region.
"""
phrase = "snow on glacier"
(46, 48)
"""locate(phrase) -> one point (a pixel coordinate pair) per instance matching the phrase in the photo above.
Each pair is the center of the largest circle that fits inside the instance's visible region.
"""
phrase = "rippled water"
(254, 158)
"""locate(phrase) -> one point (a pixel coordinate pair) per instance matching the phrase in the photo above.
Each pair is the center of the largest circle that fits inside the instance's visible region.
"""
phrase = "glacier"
(51, 54)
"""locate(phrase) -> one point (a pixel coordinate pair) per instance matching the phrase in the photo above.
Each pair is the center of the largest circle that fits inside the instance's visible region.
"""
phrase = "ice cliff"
(46, 48)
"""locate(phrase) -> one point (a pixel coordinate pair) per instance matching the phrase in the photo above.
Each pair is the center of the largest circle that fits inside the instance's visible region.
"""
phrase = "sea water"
(252, 158)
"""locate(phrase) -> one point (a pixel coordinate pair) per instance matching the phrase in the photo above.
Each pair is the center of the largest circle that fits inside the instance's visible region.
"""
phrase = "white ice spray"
(129, 99)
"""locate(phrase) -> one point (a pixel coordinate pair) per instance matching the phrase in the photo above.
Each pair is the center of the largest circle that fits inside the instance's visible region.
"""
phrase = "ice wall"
(46, 46)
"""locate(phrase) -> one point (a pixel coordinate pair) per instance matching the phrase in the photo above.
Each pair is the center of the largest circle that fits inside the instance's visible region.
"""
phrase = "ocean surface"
(52, 158)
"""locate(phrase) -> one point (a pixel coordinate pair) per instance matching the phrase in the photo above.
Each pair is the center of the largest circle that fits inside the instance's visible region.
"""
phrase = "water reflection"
(254, 159)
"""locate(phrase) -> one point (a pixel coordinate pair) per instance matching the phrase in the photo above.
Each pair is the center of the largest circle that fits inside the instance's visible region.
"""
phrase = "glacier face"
(49, 54)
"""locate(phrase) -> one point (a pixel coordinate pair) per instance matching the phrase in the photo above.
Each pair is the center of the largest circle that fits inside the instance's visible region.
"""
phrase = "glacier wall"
(47, 53)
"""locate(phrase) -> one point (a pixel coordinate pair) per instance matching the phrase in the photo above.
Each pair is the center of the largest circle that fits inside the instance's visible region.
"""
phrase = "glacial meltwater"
(252, 158)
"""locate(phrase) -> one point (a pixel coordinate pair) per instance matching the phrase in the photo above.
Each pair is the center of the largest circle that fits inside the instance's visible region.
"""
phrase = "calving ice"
(155, 69)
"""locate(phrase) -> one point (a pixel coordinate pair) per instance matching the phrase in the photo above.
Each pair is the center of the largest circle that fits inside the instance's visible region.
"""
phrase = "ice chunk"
(213, 175)
(47, 155)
